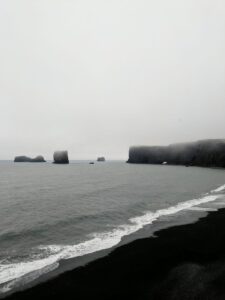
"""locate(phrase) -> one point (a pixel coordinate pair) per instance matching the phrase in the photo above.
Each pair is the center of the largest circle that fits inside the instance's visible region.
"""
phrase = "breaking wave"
(11, 273)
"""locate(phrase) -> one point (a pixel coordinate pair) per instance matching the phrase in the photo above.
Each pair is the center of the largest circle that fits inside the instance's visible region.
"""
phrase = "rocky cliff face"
(39, 158)
(207, 153)
(61, 157)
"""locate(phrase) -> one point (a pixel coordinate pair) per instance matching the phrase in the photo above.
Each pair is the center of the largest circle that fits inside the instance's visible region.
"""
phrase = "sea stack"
(203, 153)
(101, 158)
(61, 157)
(23, 158)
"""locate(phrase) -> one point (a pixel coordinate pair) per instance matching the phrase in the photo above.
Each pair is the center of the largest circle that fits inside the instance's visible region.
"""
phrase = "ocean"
(51, 213)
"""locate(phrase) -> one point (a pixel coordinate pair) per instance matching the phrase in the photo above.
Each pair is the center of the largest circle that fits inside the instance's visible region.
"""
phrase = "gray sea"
(50, 213)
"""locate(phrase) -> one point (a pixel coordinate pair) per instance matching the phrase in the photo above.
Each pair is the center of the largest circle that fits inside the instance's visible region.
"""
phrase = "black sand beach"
(183, 262)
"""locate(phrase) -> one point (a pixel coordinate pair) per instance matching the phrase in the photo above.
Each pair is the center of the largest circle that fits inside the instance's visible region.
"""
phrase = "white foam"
(9, 273)
(219, 189)
(149, 217)
(32, 276)
(196, 208)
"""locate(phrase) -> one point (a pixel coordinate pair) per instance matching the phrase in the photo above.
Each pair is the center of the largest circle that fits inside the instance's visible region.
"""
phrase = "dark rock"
(206, 153)
(39, 158)
(101, 158)
(61, 157)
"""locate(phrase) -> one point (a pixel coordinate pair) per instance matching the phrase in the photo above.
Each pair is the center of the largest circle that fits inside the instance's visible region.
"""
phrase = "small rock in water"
(101, 158)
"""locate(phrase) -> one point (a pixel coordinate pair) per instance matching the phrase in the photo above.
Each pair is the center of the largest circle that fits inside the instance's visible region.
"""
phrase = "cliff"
(39, 158)
(61, 157)
(206, 153)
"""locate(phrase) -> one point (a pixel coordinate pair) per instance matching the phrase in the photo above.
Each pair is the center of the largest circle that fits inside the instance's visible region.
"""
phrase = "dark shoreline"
(183, 262)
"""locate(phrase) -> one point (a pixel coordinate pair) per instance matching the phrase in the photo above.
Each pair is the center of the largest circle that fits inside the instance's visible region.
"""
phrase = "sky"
(97, 76)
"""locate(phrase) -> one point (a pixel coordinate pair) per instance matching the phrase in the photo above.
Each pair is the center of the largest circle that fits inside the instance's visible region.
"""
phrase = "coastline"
(183, 262)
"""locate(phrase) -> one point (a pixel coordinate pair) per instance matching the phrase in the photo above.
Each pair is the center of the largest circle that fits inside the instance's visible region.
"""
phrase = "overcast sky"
(96, 76)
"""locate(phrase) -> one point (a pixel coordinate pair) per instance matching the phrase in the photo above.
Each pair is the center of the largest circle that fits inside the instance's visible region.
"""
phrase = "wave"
(202, 208)
(10, 273)
(219, 189)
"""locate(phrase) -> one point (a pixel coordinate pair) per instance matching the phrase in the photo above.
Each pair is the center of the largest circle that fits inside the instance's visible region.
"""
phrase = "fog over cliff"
(95, 77)
(204, 153)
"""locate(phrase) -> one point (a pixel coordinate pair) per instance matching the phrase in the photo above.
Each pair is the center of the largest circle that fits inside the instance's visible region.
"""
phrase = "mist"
(95, 77)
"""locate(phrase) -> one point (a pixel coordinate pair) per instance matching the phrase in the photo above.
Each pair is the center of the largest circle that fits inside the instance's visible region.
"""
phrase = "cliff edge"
(205, 153)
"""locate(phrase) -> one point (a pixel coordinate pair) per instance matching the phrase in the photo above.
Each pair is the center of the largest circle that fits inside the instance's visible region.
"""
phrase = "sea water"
(50, 213)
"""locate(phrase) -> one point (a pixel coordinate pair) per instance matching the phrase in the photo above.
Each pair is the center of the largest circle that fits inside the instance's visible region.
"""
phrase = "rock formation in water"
(101, 158)
(39, 158)
(206, 153)
(61, 157)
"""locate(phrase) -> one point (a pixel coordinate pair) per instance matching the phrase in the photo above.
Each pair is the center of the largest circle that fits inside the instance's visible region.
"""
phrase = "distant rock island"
(205, 153)
(39, 158)
(61, 157)
(101, 158)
